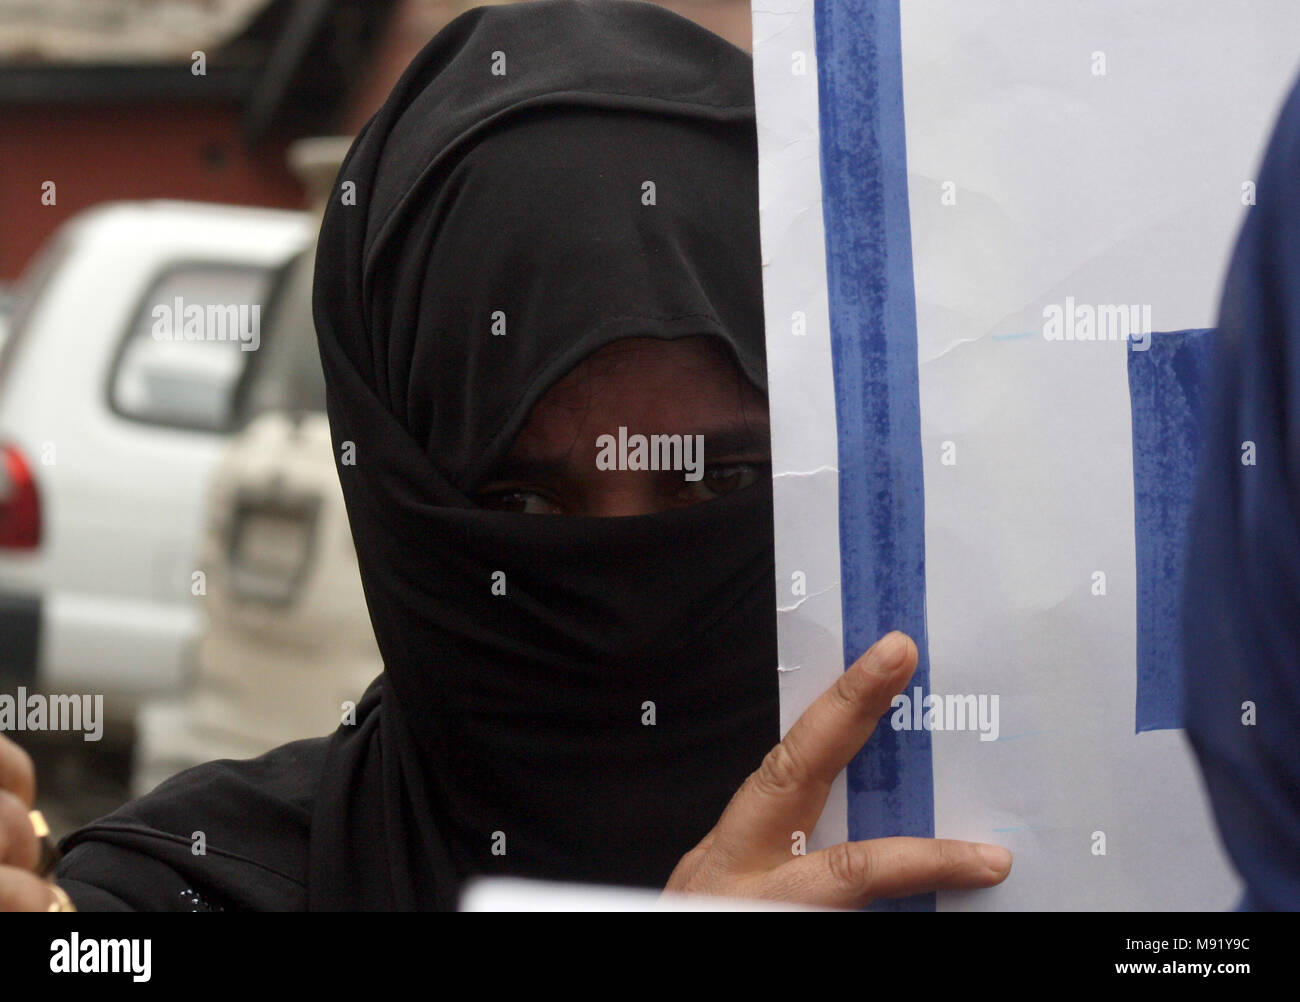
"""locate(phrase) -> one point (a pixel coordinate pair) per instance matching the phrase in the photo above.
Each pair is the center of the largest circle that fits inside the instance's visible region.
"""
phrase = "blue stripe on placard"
(877, 394)
(1165, 383)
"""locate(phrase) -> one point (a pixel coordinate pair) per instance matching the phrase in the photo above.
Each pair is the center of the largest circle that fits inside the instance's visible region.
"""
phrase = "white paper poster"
(994, 236)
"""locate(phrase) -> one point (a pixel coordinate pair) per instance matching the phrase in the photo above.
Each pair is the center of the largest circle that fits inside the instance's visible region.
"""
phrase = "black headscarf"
(504, 180)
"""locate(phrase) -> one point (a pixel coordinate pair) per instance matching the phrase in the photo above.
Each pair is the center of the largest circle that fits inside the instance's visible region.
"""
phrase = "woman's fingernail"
(995, 857)
(890, 651)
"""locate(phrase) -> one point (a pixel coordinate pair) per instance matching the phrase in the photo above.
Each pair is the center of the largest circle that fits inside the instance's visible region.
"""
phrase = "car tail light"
(20, 506)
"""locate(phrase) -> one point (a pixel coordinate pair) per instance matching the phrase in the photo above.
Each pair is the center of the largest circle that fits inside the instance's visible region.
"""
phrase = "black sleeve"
(227, 835)
(102, 877)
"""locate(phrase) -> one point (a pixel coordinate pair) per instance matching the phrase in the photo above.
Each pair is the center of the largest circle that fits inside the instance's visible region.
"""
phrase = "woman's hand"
(20, 889)
(748, 854)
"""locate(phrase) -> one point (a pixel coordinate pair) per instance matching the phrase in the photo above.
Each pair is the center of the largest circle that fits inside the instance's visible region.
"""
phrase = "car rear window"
(188, 345)
(31, 288)
(286, 375)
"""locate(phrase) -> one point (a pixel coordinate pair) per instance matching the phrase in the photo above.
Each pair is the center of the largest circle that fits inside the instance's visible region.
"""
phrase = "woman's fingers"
(20, 849)
(23, 892)
(853, 874)
(788, 791)
(17, 774)
(19, 845)
(748, 853)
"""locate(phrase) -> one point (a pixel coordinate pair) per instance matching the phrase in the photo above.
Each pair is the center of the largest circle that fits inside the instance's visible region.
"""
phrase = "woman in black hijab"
(551, 185)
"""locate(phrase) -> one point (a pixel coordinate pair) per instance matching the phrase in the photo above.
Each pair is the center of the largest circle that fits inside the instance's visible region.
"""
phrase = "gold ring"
(61, 903)
(50, 854)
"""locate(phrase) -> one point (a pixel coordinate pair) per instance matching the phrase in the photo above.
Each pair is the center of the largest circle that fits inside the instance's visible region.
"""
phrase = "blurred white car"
(110, 427)
(287, 643)
(286, 640)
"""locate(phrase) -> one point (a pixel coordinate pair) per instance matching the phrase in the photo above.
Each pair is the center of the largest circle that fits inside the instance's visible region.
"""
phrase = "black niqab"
(508, 178)
(586, 172)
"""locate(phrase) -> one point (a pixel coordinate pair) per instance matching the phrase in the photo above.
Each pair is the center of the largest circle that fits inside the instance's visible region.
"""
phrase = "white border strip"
(805, 439)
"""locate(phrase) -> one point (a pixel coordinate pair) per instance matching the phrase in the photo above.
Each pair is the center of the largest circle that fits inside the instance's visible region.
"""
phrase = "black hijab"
(505, 181)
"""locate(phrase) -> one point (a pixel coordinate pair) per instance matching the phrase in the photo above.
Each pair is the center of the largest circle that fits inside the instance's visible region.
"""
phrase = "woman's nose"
(623, 492)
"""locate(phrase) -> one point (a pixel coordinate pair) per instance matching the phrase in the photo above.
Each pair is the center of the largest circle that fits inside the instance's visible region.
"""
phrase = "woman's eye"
(720, 480)
(519, 502)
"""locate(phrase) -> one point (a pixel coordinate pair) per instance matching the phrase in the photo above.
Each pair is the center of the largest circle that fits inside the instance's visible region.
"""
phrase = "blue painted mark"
(1166, 383)
(877, 393)
(1016, 337)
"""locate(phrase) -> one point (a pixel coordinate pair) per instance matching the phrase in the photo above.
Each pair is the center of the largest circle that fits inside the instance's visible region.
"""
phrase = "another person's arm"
(1241, 600)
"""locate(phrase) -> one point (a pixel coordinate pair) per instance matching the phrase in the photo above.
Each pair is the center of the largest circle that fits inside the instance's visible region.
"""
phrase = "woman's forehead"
(655, 369)
(647, 385)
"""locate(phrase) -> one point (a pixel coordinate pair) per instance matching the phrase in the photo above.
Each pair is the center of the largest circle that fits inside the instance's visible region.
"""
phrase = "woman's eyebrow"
(529, 468)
